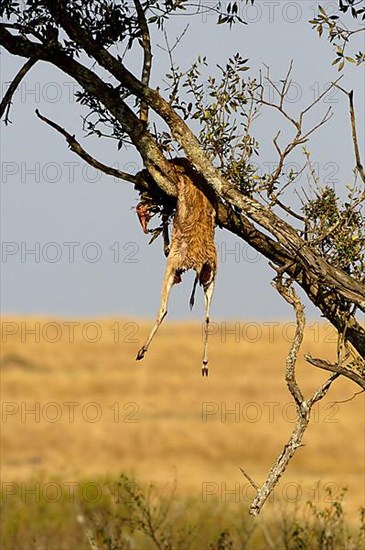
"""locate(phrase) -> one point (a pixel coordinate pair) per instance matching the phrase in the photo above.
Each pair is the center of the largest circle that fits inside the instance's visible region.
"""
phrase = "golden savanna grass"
(151, 413)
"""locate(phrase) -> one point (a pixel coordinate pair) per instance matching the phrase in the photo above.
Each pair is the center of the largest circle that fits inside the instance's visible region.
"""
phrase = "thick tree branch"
(6, 101)
(349, 288)
(313, 279)
(153, 158)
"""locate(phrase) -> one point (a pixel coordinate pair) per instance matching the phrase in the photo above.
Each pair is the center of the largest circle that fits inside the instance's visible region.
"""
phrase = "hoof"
(205, 371)
(140, 354)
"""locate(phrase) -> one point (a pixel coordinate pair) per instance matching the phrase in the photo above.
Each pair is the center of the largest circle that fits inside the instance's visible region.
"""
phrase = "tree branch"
(311, 271)
(154, 160)
(303, 407)
(338, 369)
(355, 141)
(349, 288)
(7, 99)
(76, 148)
(147, 61)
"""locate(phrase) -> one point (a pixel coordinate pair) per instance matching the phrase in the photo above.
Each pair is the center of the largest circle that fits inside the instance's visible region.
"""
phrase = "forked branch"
(300, 137)
(303, 407)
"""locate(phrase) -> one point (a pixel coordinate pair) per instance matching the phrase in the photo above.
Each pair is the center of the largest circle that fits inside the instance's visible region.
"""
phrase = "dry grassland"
(151, 413)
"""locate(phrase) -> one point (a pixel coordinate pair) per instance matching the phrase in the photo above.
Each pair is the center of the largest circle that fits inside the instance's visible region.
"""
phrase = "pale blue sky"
(49, 196)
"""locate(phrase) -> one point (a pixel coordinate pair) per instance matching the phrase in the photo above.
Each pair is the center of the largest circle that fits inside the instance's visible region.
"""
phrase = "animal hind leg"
(208, 293)
(162, 312)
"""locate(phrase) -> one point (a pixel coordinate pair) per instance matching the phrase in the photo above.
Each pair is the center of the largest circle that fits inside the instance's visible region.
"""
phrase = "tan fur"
(192, 247)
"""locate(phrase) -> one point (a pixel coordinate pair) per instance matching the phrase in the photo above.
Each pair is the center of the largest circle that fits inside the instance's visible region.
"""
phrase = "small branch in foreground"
(6, 101)
(76, 148)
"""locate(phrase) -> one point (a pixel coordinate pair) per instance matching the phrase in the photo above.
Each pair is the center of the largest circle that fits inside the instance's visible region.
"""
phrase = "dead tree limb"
(303, 407)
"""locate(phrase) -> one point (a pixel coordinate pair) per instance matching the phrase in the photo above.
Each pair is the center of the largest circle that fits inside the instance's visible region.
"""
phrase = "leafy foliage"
(338, 230)
(353, 7)
(325, 528)
(130, 516)
(338, 34)
(224, 108)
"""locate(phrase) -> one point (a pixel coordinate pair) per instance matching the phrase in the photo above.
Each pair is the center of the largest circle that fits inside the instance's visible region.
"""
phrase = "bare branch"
(250, 480)
(338, 369)
(286, 84)
(286, 208)
(359, 164)
(328, 115)
(318, 99)
(347, 400)
(284, 287)
(76, 148)
(322, 391)
(298, 124)
(7, 99)
(303, 407)
(303, 411)
(176, 76)
(147, 61)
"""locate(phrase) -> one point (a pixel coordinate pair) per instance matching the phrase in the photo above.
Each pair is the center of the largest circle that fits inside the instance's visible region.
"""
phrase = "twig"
(250, 480)
(346, 400)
